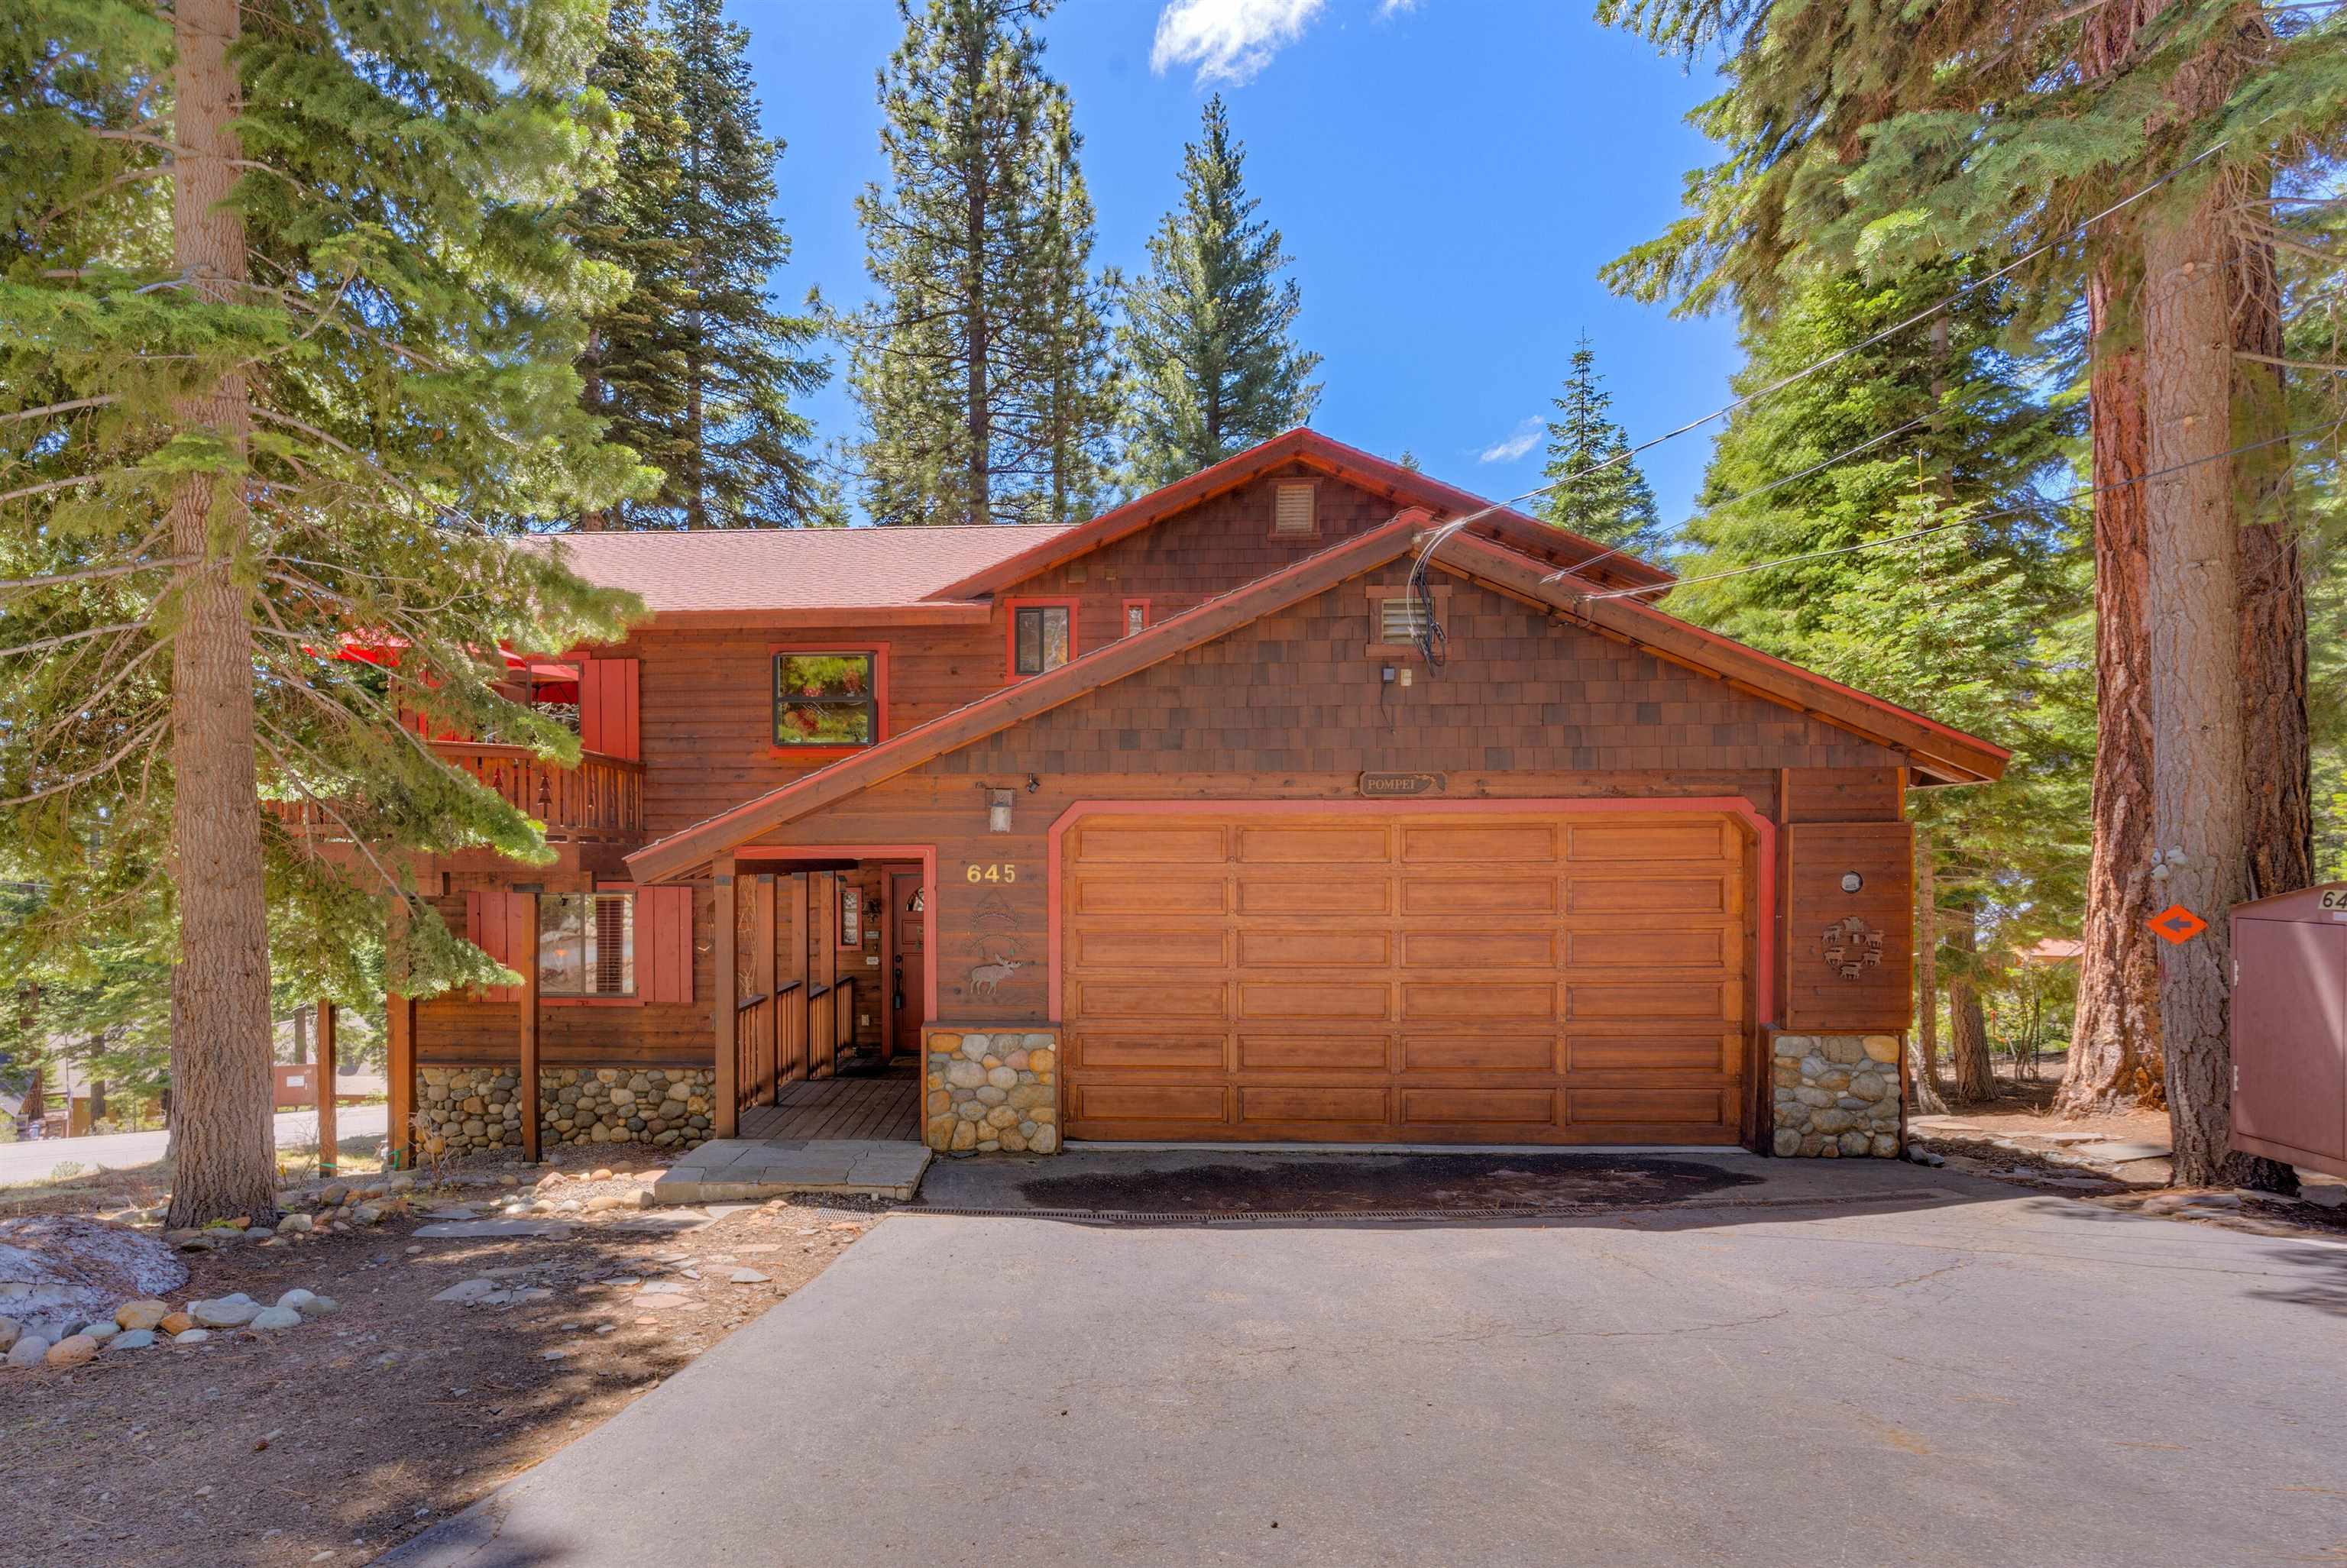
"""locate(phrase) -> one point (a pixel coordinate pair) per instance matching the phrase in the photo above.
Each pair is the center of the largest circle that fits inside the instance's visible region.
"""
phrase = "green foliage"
(1208, 332)
(692, 364)
(405, 344)
(986, 394)
(1599, 491)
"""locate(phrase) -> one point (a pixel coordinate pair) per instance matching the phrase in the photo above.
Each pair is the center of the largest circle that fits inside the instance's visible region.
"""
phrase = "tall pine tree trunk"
(219, 987)
(981, 341)
(1968, 1051)
(1928, 1097)
(2115, 1046)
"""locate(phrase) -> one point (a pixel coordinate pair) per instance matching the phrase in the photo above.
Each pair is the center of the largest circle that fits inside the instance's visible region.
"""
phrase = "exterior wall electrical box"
(2290, 1028)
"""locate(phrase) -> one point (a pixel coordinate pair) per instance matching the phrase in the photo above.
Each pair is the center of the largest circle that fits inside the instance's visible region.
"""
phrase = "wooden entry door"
(907, 994)
(1406, 975)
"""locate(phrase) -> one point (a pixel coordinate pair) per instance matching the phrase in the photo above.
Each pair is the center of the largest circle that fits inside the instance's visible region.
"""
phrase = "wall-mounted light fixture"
(998, 810)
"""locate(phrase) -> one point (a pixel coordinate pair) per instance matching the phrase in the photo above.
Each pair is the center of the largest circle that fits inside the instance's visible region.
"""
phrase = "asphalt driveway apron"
(1961, 1374)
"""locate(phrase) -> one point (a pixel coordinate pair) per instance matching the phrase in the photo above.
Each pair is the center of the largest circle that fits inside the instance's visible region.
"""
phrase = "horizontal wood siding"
(1820, 993)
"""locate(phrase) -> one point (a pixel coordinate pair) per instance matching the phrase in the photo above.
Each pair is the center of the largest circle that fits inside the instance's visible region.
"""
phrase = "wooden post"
(399, 1049)
(326, 1065)
(526, 1078)
(724, 995)
(761, 981)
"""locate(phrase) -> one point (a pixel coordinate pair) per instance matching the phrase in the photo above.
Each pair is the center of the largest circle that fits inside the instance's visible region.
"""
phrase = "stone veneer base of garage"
(992, 1091)
(1836, 1096)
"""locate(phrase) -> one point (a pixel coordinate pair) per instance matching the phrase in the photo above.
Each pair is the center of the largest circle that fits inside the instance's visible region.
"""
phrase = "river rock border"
(996, 1091)
(467, 1110)
(1836, 1096)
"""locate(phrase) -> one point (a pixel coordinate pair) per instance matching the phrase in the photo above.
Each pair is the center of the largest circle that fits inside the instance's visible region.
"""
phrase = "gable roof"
(1306, 448)
(1941, 755)
(775, 575)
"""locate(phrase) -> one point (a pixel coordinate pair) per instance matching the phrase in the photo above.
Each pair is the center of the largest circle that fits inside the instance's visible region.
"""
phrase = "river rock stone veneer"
(467, 1110)
(1836, 1096)
(993, 1092)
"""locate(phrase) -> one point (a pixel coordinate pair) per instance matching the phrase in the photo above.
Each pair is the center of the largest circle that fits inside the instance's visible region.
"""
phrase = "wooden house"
(1236, 814)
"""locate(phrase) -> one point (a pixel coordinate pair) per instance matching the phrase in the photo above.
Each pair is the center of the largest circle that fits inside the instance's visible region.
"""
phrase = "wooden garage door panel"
(1647, 1106)
(1144, 1000)
(1482, 895)
(1291, 1053)
(1452, 949)
(1331, 947)
(1697, 996)
(1674, 894)
(1123, 893)
(1145, 1052)
(1101, 843)
(1646, 843)
(1481, 999)
(1146, 1103)
(1107, 947)
(1317, 894)
(1649, 1052)
(1479, 1053)
(1709, 946)
(1434, 844)
(1491, 977)
(1301, 998)
(1313, 845)
(1261, 1104)
(1510, 1108)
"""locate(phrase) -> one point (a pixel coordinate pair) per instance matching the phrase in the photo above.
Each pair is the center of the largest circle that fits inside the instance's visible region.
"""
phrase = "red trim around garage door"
(1763, 922)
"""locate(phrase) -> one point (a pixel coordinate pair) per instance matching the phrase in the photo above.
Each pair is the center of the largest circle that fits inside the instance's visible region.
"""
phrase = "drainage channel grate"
(1527, 1211)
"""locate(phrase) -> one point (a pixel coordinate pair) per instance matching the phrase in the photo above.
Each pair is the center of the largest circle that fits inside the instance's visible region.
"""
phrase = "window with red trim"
(826, 700)
(1136, 617)
(1042, 636)
(587, 944)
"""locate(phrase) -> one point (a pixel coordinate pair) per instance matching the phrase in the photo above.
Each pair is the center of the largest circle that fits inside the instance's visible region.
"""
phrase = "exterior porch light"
(998, 810)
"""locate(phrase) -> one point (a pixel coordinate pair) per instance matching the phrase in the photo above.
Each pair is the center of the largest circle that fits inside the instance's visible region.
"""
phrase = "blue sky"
(1448, 174)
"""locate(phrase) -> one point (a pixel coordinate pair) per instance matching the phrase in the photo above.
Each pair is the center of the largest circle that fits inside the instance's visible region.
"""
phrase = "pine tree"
(290, 326)
(981, 397)
(1209, 333)
(1852, 134)
(747, 460)
(1599, 491)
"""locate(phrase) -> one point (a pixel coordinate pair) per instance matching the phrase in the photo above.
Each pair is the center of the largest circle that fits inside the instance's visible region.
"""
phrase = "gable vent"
(1401, 618)
(1291, 515)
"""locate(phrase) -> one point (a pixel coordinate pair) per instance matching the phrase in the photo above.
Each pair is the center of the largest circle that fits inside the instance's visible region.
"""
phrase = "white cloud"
(1228, 40)
(1390, 8)
(1516, 443)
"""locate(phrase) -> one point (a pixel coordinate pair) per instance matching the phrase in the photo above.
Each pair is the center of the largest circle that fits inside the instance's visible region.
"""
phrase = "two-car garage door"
(1404, 975)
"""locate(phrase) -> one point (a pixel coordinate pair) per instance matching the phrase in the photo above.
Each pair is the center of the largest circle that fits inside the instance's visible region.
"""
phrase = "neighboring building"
(1166, 826)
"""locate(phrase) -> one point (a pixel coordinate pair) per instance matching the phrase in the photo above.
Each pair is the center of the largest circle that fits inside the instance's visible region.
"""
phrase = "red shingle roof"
(752, 572)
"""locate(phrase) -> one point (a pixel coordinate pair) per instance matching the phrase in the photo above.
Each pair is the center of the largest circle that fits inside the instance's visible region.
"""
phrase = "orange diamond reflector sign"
(2177, 923)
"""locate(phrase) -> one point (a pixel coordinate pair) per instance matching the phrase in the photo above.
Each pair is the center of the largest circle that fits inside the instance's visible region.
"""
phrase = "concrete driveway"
(1956, 1372)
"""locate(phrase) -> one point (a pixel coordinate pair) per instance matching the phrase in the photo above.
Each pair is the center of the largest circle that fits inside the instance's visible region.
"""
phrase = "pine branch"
(45, 643)
(152, 732)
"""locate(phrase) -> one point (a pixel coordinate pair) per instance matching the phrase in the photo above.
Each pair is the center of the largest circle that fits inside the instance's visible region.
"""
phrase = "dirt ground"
(2025, 1107)
(332, 1442)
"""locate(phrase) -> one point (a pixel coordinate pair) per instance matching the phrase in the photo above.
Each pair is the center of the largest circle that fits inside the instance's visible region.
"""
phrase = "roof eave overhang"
(929, 613)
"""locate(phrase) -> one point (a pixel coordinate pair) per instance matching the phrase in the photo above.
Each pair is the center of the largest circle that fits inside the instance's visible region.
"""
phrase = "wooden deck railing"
(603, 797)
(795, 1033)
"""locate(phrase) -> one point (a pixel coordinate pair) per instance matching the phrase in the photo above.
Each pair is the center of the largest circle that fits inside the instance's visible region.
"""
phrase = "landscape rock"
(191, 1337)
(27, 1351)
(276, 1317)
(132, 1339)
(466, 1290)
(750, 1276)
(72, 1351)
(144, 1314)
(101, 1331)
(292, 1300)
(295, 1224)
(319, 1307)
(224, 1314)
(9, 1330)
(60, 1271)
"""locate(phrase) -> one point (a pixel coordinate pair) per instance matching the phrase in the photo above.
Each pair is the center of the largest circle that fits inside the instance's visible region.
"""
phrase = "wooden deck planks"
(883, 1108)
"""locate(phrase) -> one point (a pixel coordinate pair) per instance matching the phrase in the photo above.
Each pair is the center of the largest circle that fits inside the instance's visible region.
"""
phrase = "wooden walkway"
(889, 1108)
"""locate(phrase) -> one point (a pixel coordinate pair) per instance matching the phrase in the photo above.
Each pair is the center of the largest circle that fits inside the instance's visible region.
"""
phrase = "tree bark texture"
(2198, 789)
(219, 987)
(1968, 1051)
(1928, 1097)
(2114, 1058)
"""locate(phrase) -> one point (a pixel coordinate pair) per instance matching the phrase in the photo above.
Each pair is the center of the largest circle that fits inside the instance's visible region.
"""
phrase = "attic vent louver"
(1401, 618)
(1291, 514)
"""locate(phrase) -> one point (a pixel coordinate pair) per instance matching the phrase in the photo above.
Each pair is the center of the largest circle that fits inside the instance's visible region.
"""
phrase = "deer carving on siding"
(986, 978)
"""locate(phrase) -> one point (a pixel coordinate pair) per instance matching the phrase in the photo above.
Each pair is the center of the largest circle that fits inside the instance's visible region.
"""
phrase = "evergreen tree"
(1209, 333)
(288, 365)
(978, 368)
(1851, 134)
(1600, 492)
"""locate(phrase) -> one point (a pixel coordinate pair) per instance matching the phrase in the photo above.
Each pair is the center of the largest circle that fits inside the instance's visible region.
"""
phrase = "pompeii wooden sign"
(1401, 785)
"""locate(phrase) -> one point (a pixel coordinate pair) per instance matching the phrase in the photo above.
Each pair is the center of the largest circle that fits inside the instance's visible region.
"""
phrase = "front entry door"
(908, 962)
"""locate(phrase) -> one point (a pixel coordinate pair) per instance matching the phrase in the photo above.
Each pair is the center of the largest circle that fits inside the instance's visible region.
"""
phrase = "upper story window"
(826, 700)
(587, 944)
(1136, 617)
(1042, 636)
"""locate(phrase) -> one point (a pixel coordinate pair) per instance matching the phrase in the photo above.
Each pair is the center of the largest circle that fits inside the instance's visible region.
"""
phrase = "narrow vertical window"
(1040, 638)
(1136, 616)
(587, 944)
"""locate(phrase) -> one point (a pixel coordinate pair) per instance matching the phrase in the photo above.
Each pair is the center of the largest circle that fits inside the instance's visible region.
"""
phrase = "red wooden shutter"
(494, 923)
(665, 944)
(607, 706)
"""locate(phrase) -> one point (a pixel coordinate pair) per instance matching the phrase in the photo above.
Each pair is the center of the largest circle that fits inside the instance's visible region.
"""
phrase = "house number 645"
(994, 871)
